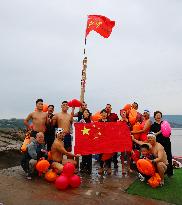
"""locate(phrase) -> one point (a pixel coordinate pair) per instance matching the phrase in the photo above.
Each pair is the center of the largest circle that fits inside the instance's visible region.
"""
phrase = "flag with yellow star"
(100, 24)
(102, 137)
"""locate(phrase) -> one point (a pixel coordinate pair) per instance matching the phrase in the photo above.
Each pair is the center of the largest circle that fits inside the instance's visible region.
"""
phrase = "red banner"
(100, 24)
(102, 137)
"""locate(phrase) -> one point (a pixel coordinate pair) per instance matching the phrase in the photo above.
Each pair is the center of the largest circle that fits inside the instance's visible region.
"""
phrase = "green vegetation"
(171, 192)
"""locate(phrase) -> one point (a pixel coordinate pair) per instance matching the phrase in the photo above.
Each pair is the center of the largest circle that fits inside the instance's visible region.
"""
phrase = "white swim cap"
(151, 134)
(147, 111)
(59, 130)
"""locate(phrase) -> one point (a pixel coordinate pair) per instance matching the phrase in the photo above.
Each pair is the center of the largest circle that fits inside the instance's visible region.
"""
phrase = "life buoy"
(132, 116)
(145, 167)
(96, 117)
(50, 176)
(127, 107)
(42, 166)
(155, 180)
(25, 142)
(49, 155)
(137, 127)
(44, 109)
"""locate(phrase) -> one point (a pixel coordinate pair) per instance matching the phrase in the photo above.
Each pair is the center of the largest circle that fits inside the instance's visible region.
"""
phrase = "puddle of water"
(9, 159)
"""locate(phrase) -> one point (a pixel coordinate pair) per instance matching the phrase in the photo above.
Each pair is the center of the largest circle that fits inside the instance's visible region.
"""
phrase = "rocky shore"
(10, 139)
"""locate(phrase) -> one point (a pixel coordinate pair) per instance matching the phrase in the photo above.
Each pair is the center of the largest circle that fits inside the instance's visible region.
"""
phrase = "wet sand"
(107, 190)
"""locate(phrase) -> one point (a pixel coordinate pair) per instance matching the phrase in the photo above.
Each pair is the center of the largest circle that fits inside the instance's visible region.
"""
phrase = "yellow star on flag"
(85, 131)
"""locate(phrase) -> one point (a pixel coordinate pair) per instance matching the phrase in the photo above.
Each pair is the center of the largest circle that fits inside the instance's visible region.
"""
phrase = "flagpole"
(83, 78)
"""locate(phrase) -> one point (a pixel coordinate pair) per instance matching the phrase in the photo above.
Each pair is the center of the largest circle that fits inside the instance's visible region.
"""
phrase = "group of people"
(59, 143)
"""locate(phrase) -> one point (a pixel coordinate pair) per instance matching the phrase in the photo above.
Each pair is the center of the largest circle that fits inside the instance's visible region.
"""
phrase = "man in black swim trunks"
(39, 119)
(64, 120)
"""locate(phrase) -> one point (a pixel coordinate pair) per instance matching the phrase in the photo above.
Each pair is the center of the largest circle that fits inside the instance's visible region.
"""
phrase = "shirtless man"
(39, 119)
(57, 151)
(64, 120)
(159, 153)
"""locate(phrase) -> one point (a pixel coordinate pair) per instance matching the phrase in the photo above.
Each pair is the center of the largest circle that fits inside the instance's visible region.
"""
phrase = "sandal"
(161, 183)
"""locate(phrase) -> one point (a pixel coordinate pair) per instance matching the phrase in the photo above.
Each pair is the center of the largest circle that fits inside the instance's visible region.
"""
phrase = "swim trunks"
(33, 133)
(67, 142)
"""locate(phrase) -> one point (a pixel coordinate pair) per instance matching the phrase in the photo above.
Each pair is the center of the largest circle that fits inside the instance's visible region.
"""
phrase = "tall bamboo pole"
(83, 79)
(83, 82)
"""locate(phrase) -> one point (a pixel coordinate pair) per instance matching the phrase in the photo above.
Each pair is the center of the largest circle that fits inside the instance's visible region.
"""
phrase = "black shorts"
(67, 142)
(52, 161)
(33, 133)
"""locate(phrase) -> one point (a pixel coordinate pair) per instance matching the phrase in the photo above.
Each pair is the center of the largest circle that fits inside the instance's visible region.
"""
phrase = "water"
(176, 141)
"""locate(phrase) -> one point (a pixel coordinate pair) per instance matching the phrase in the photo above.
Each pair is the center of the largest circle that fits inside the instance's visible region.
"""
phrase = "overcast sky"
(41, 52)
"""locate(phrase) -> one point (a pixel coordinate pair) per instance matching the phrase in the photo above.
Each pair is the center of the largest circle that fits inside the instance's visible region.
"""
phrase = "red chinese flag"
(100, 24)
(102, 137)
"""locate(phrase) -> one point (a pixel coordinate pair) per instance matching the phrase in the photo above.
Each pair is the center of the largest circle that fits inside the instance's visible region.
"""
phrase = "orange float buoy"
(96, 117)
(42, 166)
(137, 127)
(155, 180)
(127, 107)
(132, 116)
(145, 167)
(44, 109)
(50, 176)
(49, 155)
(25, 142)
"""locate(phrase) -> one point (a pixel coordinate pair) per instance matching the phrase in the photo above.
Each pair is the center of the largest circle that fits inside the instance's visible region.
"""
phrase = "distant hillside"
(174, 120)
(177, 119)
(12, 123)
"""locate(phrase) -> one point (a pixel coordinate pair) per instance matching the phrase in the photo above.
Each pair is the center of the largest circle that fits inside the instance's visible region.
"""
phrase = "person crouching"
(145, 154)
(35, 151)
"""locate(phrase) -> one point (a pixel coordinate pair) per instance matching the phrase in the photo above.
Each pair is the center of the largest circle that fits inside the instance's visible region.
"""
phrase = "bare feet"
(130, 170)
(109, 171)
(101, 171)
